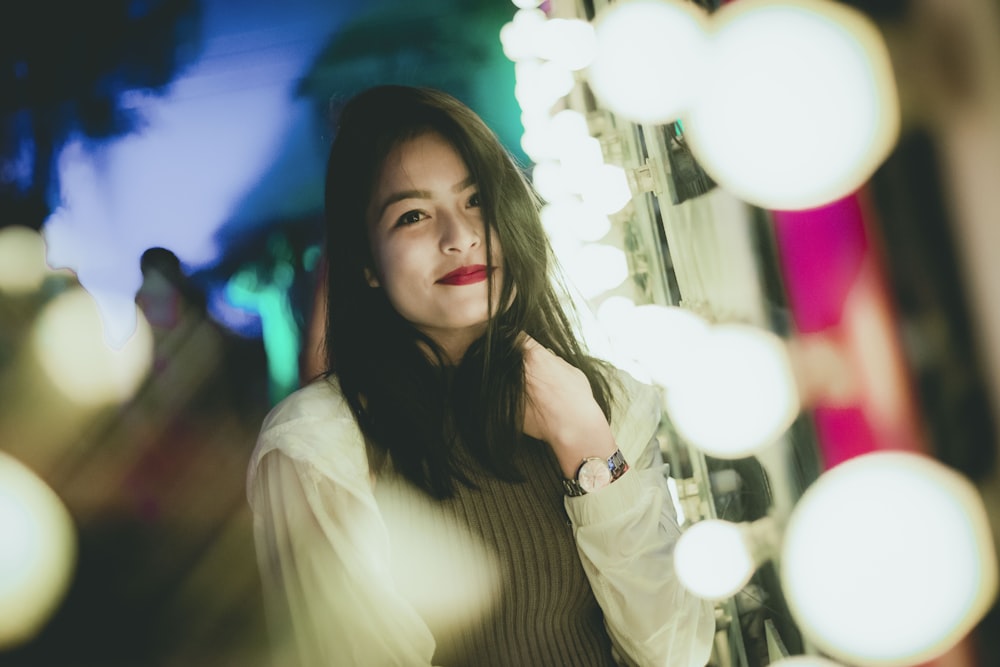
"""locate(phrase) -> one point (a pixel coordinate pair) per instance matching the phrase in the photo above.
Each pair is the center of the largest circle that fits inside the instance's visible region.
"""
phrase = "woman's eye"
(474, 200)
(410, 217)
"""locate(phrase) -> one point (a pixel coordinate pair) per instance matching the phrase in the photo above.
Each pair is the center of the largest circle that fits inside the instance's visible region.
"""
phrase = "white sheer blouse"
(337, 563)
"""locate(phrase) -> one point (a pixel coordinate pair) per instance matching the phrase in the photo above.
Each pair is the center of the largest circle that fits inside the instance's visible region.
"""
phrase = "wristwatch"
(596, 473)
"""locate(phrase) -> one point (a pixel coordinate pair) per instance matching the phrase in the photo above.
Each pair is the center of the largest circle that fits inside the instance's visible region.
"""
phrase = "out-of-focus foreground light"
(713, 559)
(888, 560)
(452, 589)
(37, 552)
(805, 661)
(740, 394)
(70, 346)
(798, 104)
(22, 260)
(648, 57)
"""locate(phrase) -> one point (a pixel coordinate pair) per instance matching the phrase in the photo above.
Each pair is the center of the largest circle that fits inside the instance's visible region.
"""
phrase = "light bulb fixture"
(569, 42)
(659, 338)
(715, 559)
(647, 58)
(798, 103)
(596, 268)
(887, 560)
(739, 395)
(605, 188)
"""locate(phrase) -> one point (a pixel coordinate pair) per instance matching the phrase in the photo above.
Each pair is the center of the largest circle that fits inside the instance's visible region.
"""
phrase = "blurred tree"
(66, 69)
(453, 45)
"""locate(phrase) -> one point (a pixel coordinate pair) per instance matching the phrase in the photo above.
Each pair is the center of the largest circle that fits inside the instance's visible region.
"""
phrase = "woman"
(541, 508)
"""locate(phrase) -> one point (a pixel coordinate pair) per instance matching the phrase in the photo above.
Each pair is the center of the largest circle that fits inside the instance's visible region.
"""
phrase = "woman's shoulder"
(319, 401)
(314, 424)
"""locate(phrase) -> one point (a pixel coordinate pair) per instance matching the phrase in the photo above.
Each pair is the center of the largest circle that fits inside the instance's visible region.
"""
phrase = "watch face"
(594, 474)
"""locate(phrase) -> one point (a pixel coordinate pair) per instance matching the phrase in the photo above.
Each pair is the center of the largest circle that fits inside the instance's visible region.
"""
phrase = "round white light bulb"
(659, 338)
(569, 219)
(605, 188)
(713, 560)
(570, 42)
(798, 104)
(596, 268)
(647, 58)
(888, 560)
(38, 554)
(740, 394)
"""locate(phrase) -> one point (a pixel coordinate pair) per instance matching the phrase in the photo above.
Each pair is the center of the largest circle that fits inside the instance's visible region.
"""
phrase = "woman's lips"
(465, 275)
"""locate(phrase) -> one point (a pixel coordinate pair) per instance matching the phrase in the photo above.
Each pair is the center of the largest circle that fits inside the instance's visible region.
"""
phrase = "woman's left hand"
(560, 408)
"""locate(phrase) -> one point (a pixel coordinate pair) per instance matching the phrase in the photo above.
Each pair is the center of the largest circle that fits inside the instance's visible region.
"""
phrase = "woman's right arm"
(323, 553)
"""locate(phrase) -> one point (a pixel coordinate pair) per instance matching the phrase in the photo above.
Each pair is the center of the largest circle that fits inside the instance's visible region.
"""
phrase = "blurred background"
(161, 175)
(172, 153)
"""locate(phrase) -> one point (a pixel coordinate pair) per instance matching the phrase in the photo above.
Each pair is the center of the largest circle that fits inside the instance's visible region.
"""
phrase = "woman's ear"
(371, 278)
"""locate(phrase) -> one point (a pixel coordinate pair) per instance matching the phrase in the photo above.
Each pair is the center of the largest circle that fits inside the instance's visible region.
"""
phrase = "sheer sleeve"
(625, 534)
(323, 549)
(323, 558)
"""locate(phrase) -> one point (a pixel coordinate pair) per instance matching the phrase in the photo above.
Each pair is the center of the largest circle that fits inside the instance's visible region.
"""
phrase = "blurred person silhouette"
(171, 303)
(459, 421)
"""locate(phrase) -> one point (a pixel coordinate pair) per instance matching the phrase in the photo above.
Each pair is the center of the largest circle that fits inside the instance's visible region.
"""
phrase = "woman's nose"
(459, 232)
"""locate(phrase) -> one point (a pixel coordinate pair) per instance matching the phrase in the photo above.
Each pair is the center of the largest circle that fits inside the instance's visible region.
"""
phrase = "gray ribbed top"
(546, 613)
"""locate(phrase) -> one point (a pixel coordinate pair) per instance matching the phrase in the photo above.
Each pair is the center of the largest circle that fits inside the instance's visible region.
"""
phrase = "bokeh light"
(798, 104)
(713, 560)
(657, 337)
(606, 188)
(569, 219)
(739, 395)
(596, 268)
(888, 560)
(70, 346)
(569, 42)
(805, 661)
(37, 552)
(22, 260)
(648, 58)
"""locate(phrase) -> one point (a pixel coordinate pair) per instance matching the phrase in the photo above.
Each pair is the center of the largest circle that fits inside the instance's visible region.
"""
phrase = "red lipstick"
(465, 275)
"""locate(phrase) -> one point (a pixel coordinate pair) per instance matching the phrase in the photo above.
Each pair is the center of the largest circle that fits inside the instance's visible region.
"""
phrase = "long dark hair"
(413, 408)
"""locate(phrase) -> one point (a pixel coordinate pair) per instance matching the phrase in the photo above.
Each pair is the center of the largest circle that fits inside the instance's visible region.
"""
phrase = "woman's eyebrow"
(391, 199)
(400, 196)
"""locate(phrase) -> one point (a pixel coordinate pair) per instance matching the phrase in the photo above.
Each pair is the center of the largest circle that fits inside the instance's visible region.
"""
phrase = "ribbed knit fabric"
(546, 614)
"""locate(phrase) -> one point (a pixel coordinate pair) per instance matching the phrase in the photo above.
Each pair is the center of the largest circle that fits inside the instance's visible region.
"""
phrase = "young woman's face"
(428, 241)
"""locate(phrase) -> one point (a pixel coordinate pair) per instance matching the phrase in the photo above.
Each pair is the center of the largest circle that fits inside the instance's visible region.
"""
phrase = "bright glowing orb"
(739, 394)
(37, 552)
(805, 661)
(888, 560)
(596, 268)
(22, 259)
(712, 559)
(605, 188)
(570, 42)
(659, 338)
(70, 346)
(647, 59)
(798, 105)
